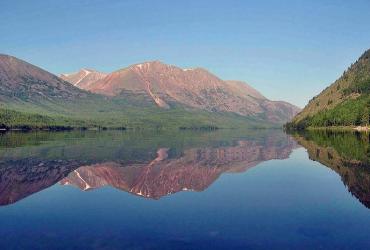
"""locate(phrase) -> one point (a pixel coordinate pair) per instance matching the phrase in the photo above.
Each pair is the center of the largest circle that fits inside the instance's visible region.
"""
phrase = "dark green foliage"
(362, 87)
(351, 146)
(10, 119)
(145, 118)
(348, 113)
(353, 112)
(365, 119)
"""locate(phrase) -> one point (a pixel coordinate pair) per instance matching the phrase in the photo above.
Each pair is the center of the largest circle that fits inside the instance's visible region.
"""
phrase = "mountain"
(151, 95)
(83, 78)
(344, 103)
(170, 86)
(24, 82)
(32, 98)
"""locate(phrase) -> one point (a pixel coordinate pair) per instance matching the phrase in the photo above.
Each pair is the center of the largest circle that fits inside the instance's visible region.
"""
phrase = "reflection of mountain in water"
(189, 166)
(19, 179)
(345, 153)
(195, 170)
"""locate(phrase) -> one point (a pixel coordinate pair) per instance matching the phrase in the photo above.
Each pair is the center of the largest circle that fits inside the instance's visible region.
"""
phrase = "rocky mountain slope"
(83, 78)
(21, 81)
(168, 86)
(344, 103)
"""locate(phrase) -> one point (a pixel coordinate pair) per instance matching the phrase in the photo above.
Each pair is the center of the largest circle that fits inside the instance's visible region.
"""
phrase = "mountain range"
(346, 102)
(145, 93)
(168, 85)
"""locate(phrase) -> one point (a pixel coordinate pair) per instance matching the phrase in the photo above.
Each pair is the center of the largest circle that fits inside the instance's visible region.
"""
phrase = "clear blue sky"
(288, 50)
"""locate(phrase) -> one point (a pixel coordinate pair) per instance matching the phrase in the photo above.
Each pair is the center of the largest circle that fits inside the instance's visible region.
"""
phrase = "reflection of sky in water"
(294, 203)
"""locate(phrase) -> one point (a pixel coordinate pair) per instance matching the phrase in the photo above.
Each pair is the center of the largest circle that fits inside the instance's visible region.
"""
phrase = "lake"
(226, 189)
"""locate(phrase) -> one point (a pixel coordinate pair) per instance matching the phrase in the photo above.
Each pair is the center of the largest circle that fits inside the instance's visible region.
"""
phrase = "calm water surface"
(256, 189)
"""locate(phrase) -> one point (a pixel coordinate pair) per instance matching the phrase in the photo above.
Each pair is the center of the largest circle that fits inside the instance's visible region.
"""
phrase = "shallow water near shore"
(252, 189)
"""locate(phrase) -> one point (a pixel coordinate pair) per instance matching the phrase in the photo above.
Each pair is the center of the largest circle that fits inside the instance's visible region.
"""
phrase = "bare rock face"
(22, 81)
(83, 78)
(197, 88)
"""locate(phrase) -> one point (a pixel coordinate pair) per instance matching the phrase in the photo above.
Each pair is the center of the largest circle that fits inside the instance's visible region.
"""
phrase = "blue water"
(292, 203)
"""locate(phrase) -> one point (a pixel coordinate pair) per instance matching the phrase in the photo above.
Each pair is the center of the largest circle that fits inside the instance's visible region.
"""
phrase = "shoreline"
(342, 128)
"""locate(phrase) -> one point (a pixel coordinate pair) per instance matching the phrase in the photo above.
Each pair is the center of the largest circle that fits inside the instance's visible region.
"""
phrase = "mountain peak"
(83, 77)
(151, 64)
(86, 70)
(82, 70)
(159, 65)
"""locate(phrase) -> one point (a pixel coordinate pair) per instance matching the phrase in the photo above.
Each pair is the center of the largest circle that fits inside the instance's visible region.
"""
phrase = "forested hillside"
(344, 103)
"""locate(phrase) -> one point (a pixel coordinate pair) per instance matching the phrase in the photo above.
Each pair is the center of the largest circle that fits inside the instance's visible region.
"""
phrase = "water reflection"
(147, 165)
(155, 165)
(348, 154)
(293, 203)
(194, 170)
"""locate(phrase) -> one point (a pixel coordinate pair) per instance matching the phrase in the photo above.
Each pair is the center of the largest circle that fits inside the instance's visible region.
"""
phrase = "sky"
(288, 50)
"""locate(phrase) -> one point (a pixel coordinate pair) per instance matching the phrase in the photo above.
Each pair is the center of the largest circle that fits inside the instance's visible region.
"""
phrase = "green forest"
(352, 112)
(144, 119)
(345, 103)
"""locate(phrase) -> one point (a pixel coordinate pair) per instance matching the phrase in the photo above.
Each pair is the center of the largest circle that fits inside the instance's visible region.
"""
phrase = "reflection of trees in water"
(345, 153)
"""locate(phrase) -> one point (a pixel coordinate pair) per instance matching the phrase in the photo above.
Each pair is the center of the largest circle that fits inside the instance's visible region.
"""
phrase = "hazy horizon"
(288, 51)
